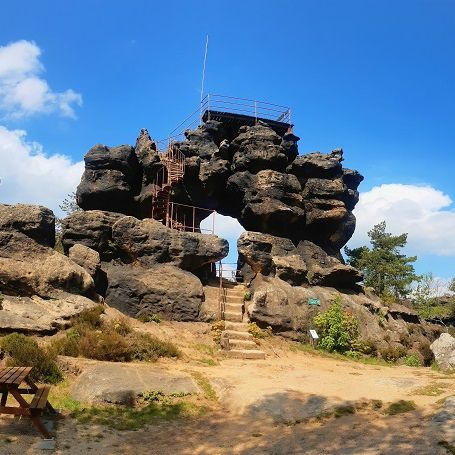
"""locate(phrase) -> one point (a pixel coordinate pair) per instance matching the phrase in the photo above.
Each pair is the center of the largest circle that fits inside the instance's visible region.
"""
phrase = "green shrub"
(24, 351)
(257, 332)
(338, 329)
(412, 361)
(392, 353)
(400, 407)
(247, 296)
(90, 318)
(217, 329)
(149, 317)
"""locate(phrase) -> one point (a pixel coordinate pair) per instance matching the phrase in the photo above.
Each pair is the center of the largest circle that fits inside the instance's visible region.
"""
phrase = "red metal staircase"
(170, 175)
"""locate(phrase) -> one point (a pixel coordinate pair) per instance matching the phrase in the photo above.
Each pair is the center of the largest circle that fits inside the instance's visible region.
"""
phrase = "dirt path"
(276, 406)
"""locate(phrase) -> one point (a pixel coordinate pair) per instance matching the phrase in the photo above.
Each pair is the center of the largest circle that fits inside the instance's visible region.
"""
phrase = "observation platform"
(235, 120)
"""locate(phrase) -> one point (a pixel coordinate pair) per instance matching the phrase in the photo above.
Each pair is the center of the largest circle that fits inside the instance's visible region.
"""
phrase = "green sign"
(314, 301)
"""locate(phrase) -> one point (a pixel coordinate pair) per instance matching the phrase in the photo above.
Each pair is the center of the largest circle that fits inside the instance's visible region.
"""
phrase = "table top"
(14, 376)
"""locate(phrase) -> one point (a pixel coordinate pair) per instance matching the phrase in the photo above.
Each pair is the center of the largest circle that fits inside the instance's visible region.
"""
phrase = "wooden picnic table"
(11, 380)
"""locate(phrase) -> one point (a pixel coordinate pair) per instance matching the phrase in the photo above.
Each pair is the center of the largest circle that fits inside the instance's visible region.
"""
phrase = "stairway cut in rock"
(236, 341)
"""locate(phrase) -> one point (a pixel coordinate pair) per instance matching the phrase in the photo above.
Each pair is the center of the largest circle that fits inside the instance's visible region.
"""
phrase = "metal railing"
(185, 218)
(230, 104)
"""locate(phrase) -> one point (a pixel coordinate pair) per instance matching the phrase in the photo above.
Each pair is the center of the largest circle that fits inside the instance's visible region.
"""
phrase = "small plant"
(149, 317)
(247, 296)
(257, 332)
(399, 407)
(392, 353)
(412, 360)
(217, 328)
(24, 351)
(344, 410)
(338, 329)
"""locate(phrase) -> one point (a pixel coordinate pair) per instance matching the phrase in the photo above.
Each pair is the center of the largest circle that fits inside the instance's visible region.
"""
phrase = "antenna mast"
(203, 76)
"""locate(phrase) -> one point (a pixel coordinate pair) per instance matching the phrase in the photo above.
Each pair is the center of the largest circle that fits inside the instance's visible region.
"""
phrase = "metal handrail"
(254, 108)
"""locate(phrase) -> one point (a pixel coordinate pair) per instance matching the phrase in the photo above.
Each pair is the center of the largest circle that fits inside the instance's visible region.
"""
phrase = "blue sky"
(373, 77)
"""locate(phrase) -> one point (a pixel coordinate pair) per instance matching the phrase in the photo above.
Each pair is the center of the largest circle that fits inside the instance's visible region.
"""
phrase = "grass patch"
(114, 341)
(432, 390)
(205, 385)
(400, 407)
(149, 317)
(156, 408)
(344, 410)
(24, 351)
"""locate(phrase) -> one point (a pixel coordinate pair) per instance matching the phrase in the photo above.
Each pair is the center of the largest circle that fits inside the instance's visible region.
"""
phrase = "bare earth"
(274, 406)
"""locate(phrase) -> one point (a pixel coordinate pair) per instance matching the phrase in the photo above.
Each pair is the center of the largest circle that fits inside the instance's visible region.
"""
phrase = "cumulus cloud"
(424, 212)
(28, 175)
(22, 91)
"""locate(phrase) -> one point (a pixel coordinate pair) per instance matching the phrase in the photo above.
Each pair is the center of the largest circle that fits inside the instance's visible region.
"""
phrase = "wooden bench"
(10, 382)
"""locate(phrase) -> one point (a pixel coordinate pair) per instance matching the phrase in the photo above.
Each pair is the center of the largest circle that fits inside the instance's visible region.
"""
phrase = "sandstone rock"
(164, 290)
(149, 242)
(121, 384)
(444, 351)
(324, 270)
(35, 315)
(111, 179)
(34, 221)
(318, 165)
(43, 275)
(92, 229)
(90, 260)
(270, 255)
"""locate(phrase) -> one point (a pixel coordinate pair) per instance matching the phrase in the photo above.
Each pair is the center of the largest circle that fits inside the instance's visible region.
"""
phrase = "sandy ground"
(269, 407)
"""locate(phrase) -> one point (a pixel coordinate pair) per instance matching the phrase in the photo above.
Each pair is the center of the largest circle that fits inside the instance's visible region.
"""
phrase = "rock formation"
(41, 288)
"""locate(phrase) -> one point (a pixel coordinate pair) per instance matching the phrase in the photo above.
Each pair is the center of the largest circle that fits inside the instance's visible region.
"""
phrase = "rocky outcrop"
(305, 264)
(286, 309)
(92, 229)
(444, 351)
(41, 288)
(252, 174)
(163, 290)
(111, 180)
(148, 242)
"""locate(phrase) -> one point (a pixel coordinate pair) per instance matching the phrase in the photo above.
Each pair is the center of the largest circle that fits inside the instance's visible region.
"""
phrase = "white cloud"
(30, 176)
(423, 212)
(22, 91)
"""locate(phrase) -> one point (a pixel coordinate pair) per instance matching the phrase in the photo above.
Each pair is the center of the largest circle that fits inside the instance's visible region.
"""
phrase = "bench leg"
(4, 398)
(40, 427)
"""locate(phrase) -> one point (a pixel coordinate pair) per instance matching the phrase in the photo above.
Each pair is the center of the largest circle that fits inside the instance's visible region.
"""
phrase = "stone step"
(245, 354)
(241, 344)
(236, 335)
(234, 307)
(230, 299)
(237, 326)
(233, 316)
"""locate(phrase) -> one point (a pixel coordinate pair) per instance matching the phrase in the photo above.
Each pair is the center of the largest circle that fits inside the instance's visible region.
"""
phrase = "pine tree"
(384, 268)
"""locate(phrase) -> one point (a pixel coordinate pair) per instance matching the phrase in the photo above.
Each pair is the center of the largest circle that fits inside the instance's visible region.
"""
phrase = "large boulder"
(92, 229)
(35, 315)
(149, 242)
(27, 265)
(111, 179)
(270, 255)
(444, 351)
(164, 290)
(324, 270)
(34, 221)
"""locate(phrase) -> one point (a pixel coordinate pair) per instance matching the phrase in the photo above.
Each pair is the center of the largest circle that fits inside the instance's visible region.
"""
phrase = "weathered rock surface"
(444, 421)
(121, 384)
(35, 315)
(164, 290)
(90, 260)
(305, 264)
(33, 221)
(149, 242)
(444, 351)
(285, 308)
(92, 229)
(252, 174)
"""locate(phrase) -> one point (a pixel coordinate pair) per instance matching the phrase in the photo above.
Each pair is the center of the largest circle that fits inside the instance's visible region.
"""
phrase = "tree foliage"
(338, 329)
(384, 267)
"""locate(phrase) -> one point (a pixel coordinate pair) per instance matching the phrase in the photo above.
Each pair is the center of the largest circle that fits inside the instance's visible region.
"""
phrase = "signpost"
(314, 337)
(314, 301)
